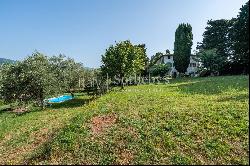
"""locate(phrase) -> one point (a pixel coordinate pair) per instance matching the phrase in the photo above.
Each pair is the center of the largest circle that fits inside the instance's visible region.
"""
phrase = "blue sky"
(83, 29)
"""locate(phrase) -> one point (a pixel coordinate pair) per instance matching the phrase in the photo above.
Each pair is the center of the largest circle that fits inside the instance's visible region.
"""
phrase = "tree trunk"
(122, 86)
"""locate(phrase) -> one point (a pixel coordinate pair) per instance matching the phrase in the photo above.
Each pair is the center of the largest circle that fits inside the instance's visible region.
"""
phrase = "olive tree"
(29, 80)
(38, 77)
(67, 71)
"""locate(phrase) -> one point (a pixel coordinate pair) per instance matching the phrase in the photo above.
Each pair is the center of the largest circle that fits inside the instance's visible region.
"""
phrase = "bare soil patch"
(100, 123)
(20, 110)
(125, 157)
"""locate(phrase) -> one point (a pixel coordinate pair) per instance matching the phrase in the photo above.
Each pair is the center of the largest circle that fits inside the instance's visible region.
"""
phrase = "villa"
(169, 59)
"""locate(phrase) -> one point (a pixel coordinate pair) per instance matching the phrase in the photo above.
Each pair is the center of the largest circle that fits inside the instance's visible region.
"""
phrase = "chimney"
(167, 52)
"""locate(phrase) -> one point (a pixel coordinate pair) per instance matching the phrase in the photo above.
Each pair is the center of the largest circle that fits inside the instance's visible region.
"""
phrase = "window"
(162, 60)
(192, 64)
(168, 57)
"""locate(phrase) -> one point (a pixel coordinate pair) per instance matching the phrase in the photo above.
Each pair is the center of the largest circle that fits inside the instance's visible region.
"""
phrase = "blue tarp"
(59, 99)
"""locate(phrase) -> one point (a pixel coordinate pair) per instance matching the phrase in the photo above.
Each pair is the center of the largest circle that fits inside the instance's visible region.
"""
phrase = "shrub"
(159, 70)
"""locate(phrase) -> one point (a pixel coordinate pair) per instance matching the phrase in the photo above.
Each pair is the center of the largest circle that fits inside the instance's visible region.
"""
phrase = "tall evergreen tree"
(182, 47)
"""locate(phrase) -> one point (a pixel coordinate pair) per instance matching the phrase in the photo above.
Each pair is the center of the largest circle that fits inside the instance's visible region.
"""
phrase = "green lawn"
(190, 121)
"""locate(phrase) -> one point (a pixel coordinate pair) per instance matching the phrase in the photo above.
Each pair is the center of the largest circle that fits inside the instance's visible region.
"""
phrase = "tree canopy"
(239, 34)
(38, 77)
(124, 59)
(231, 40)
(155, 58)
(216, 37)
(159, 70)
(210, 60)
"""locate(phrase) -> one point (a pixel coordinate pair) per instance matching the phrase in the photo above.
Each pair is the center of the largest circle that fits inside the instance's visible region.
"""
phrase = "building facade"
(169, 59)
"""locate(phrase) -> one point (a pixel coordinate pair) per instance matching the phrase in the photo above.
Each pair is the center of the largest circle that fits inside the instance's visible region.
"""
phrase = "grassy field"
(189, 121)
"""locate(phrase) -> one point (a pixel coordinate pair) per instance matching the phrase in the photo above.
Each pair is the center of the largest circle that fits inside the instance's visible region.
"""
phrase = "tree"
(239, 35)
(167, 51)
(231, 40)
(67, 71)
(216, 36)
(29, 80)
(145, 59)
(58, 66)
(210, 60)
(182, 47)
(159, 70)
(155, 58)
(123, 59)
(72, 74)
(138, 59)
(38, 77)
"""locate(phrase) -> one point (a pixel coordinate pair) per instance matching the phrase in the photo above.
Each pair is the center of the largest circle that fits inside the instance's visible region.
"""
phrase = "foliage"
(210, 60)
(167, 52)
(239, 35)
(203, 72)
(28, 80)
(4, 61)
(182, 47)
(155, 58)
(159, 70)
(68, 72)
(123, 59)
(190, 121)
(231, 40)
(38, 77)
(145, 59)
(90, 75)
(216, 37)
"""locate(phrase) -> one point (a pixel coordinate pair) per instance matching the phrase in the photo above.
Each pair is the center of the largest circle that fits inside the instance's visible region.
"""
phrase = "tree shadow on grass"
(211, 86)
(241, 97)
(77, 102)
(5, 108)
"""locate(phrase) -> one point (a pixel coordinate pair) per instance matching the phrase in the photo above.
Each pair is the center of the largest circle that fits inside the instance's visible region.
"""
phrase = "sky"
(84, 29)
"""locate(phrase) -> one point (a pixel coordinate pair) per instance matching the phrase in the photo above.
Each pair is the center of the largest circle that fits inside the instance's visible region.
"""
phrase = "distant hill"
(3, 60)
(88, 68)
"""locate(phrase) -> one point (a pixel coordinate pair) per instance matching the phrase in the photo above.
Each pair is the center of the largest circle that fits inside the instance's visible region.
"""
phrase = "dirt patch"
(133, 132)
(40, 136)
(100, 123)
(17, 155)
(7, 137)
(20, 110)
(125, 157)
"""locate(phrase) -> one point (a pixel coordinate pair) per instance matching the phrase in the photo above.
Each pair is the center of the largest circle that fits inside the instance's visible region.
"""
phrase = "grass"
(190, 121)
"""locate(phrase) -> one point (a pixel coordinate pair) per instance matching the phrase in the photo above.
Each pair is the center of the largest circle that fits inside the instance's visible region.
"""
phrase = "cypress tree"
(182, 47)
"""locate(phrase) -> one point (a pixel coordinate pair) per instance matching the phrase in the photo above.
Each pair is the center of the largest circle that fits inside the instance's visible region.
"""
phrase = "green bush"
(159, 70)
